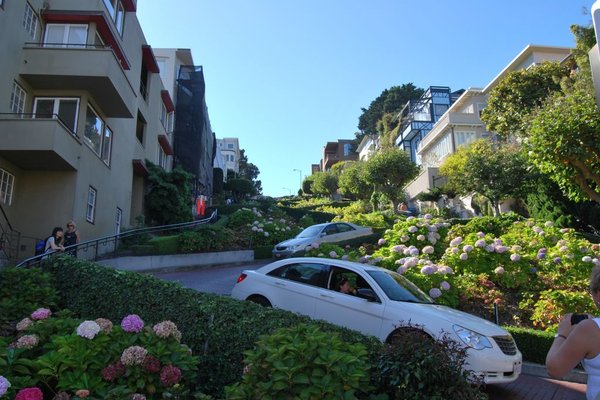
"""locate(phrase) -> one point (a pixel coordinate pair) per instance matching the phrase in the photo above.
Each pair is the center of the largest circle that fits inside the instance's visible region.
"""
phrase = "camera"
(577, 318)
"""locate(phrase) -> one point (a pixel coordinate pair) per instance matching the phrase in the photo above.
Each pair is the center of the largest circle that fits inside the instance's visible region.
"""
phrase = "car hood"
(295, 242)
(447, 317)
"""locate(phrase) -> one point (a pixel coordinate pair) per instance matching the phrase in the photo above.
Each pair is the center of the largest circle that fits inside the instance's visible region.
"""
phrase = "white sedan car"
(330, 232)
(378, 302)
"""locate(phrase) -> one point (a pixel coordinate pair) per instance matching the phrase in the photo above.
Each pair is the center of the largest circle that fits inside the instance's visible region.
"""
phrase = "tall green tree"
(249, 171)
(325, 183)
(390, 170)
(168, 198)
(389, 101)
(512, 101)
(240, 189)
(353, 181)
(494, 170)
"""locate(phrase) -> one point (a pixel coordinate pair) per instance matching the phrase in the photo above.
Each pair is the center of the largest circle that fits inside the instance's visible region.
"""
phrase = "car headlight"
(471, 338)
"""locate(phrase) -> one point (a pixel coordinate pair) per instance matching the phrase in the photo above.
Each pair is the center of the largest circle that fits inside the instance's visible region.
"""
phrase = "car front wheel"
(261, 300)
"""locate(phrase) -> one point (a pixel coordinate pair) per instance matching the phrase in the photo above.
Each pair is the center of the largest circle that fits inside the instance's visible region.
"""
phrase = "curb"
(576, 376)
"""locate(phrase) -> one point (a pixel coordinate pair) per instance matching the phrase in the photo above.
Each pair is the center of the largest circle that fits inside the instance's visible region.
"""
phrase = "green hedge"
(217, 328)
(533, 344)
(317, 216)
(165, 244)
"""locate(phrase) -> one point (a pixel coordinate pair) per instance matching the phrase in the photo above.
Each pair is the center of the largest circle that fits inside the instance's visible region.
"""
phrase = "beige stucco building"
(82, 106)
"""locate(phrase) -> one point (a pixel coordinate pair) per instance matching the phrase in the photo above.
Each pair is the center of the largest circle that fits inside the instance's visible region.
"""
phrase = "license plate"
(517, 368)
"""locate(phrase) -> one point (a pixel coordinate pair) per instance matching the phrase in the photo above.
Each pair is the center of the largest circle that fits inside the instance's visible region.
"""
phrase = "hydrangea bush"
(526, 267)
(263, 229)
(70, 358)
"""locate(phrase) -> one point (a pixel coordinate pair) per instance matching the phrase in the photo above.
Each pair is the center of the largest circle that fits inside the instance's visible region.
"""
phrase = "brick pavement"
(529, 387)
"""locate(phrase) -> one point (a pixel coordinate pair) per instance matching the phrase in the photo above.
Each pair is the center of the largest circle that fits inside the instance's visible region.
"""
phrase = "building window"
(170, 122)
(7, 183)
(117, 13)
(17, 99)
(140, 128)
(30, 21)
(347, 148)
(230, 145)
(65, 35)
(90, 213)
(63, 108)
(97, 135)
(144, 81)
(166, 118)
(118, 221)
(162, 158)
(464, 138)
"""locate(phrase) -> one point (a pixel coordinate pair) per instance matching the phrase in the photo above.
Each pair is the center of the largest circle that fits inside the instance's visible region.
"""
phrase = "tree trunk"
(395, 204)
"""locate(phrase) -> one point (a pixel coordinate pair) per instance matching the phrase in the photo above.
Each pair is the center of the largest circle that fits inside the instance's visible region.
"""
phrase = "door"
(347, 309)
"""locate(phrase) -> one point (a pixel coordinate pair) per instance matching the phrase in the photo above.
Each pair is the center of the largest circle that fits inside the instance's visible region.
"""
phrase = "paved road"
(220, 280)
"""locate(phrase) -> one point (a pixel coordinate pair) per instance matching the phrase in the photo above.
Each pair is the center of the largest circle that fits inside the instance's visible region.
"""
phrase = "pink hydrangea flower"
(455, 250)
(398, 248)
(27, 342)
(137, 396)
(434, 293)
(515, 257)
(113, 371)
(134, 355)
(381, 242)
(499, 270)
(467, 248)
(82, 393)
(445, 285)
(170, 375)
(132, 323)
(88, 329)
(404, 238)
(497, 242)
(480, 243)
(412, 229)
(333, 254)
(490, 248)
(501, 249)
(464, 256)
(481, 234)
(40, 314)
(165, 329)
(414, 251)
(586, 259)
(445, 270)
(30, 393)
(548, 224)
(24, 324)
(105, 324)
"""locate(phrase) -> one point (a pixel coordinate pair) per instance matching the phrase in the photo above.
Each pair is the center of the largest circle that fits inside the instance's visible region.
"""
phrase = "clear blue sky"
(287, 76)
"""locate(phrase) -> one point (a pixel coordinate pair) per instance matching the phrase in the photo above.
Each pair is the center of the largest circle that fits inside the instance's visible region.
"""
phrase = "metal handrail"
(114, 239)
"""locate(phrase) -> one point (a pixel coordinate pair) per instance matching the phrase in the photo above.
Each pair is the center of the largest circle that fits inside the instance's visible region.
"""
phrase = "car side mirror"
(367, 294)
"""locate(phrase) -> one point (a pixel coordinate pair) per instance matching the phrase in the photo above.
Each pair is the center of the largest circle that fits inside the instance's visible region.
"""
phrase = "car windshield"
(309, 232)
(398, 288)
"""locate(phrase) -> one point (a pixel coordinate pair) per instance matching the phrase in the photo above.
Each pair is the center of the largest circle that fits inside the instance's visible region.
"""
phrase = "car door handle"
(279, 284)
(326, 296)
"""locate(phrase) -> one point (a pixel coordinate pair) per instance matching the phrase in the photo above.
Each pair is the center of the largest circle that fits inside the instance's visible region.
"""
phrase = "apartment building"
(461, 123)
(195, 143)
(230, 152)
(82, 106)
(418, 117)
(334, 152)
(368, 146)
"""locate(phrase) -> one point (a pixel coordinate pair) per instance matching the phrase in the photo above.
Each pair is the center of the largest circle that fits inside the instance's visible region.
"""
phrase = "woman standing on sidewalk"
(578, 340)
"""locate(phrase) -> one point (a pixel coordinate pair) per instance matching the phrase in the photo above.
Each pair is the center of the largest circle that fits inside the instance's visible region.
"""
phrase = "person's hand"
(564, 326)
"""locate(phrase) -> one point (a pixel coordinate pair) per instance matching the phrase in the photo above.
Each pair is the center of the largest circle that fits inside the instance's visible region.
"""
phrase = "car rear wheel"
(408, 335)
(261, 300)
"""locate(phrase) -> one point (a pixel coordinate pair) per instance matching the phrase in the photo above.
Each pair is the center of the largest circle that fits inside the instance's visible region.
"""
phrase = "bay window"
(97, 135)
(65, 108)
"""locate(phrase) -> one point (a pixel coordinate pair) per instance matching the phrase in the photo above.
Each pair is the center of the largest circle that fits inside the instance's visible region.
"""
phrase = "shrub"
(165, 244)
(242, 217)
(302, 362)
(210, 324)
(533, 344)
(22, 291)
(414, 368)
(207, 238)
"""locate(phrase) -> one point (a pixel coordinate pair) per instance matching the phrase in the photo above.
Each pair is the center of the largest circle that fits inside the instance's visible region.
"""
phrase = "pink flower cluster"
(134, 355)
(41, 313)
(105, 324)
(31, 393)
(24, 324)
(151, 364)
(113, 371)
(4, 385)
(132, 323)
(137, 396)
(165, 329)
(82, 393)
(27, 342)
(170, 375)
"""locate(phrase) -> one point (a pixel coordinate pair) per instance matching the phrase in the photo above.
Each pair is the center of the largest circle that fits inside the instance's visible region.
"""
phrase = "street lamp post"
(300, 173)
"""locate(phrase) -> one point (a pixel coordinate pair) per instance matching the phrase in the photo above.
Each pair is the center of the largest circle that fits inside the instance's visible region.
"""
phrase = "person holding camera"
(578, 340)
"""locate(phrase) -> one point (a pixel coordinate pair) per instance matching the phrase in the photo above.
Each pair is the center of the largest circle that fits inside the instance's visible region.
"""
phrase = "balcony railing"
(41, 116)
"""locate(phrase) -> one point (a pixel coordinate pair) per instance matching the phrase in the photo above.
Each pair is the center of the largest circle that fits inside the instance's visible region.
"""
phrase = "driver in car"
(346, 287)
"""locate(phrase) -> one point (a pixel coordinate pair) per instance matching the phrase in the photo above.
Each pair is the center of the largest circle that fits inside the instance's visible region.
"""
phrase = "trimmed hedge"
(317, 216)
(533, 344)
(217, 328)
(165, 244)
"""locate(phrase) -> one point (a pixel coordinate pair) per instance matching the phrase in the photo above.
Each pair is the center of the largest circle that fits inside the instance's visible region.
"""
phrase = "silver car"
(330, 232)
